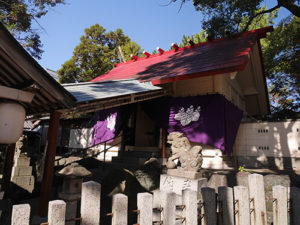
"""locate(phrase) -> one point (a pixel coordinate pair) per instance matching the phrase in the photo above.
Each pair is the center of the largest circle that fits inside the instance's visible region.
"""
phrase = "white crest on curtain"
(111, 121)
(188, 116)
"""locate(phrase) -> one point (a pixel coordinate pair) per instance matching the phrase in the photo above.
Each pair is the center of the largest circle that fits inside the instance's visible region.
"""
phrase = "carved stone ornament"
(188, 116)
(190, 158)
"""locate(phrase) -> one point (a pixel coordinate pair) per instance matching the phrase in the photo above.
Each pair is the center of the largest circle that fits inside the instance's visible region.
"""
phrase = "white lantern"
(12, 116)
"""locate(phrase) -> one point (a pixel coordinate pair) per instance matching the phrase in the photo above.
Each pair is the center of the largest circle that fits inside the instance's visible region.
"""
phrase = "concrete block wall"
(269, 144)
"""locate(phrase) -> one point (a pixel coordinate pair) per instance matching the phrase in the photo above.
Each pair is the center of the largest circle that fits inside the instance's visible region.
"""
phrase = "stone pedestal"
(178, 184)
(71, 195)
(71, 189)
(185, 174)
(22, 173)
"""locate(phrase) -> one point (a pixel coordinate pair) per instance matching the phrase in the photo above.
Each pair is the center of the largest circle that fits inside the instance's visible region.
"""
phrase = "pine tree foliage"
(19, 15)
(282, 59)
(196, 38)
(96, 54)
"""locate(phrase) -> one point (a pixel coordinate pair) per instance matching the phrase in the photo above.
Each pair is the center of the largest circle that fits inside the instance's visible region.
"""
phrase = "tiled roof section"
(204, 59)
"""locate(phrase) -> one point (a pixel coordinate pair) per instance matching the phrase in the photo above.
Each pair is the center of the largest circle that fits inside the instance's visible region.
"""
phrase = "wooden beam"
(15, 94)
(163, 143)
(49, 162)
(9, 162)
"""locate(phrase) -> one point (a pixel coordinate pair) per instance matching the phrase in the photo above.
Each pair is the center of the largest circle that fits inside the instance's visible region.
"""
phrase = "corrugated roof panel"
(88, 91)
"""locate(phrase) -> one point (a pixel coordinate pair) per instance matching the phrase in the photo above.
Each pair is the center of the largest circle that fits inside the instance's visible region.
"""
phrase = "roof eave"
(16, 52)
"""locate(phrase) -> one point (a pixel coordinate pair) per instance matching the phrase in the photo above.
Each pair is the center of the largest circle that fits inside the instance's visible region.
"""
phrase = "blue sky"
(146, 22)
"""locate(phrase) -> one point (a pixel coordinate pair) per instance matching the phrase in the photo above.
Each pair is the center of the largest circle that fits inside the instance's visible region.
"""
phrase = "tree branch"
(182, 2)
(260, 13)
(289, 5)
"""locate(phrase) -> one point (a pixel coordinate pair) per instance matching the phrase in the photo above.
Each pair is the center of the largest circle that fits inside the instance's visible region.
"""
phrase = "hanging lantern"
(12, 116)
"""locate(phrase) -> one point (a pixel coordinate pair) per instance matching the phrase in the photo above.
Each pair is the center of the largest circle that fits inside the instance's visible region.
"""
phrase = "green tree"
(259, 22)
(222, 15)
(129, 48)
(196, 38)
(18, 17)
(282, 59)
(263, 20)
(96, 54)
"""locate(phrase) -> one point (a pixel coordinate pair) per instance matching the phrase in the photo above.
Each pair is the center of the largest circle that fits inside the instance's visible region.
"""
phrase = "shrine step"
(125, 165)
(129, 160)
(140, 154)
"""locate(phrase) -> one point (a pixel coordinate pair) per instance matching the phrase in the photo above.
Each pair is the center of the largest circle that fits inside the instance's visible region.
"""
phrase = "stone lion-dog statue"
(190, 158)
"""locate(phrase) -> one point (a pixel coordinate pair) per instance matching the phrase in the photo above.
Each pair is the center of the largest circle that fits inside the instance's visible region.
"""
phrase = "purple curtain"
(109, 123)
(209, 119)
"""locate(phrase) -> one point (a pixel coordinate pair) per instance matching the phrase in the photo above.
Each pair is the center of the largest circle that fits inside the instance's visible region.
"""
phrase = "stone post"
(189, 199)
(90, 203)
(241, 205)
(226, 205)
(156, 215)
(145, 207)
(257, 199)
(168, 203)
(119, 209)
(295, 205)
(280, 205)
(20, 214)
(209, 201)
(57, 212)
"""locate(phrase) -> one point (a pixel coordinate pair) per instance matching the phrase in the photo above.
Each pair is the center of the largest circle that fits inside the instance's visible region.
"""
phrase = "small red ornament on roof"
(134, 57)
(147, 54)
(191, 43)
(160, 50)
(175, 46)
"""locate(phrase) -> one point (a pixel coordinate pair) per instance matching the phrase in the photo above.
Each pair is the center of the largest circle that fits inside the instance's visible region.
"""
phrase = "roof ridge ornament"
(191, 42)
(161, 51)
(175, 46)
(147, 54)
(134, 57)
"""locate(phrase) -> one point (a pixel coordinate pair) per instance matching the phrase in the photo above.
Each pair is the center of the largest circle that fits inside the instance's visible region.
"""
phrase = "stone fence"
(231, 206)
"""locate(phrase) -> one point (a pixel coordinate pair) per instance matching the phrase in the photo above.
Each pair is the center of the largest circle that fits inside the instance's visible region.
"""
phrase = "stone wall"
(22, 173)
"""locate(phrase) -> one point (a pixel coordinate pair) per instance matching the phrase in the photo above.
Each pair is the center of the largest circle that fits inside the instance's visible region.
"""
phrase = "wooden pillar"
(123, 143)
(49, 162)
(163, 143)
(9, 162)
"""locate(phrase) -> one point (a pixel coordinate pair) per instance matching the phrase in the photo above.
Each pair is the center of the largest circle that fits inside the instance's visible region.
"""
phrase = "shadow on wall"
(273, 145)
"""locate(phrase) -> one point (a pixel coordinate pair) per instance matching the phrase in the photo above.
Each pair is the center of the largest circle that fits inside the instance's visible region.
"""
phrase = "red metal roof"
(204, 59)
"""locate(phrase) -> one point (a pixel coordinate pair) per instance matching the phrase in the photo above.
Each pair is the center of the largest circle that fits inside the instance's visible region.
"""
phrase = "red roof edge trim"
(264, 75)
(261, 33)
